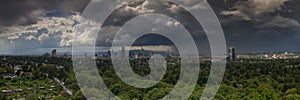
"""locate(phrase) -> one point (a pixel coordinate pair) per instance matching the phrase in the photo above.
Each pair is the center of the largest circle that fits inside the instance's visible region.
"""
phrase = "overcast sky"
(251, 26)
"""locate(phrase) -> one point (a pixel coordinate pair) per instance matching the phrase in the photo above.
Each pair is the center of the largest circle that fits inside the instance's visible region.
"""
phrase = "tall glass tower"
(231, 53)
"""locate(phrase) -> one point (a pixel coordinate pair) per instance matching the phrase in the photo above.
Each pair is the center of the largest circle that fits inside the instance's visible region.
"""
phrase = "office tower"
(142, 52)
(108, 53)
(231, 53)
(4, 57)
(54, 53)
(169, 53)
(123, 52)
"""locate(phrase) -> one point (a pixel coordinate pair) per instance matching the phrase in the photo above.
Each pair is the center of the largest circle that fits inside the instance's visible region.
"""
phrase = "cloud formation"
(140, 9)
(262, 11)
(254, 9)
(24, 12)
(51, 23)
(45, 28)
(279, 21)
(49, 32)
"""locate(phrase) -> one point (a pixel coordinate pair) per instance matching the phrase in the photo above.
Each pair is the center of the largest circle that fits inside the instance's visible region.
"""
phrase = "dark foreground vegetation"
(244, 79)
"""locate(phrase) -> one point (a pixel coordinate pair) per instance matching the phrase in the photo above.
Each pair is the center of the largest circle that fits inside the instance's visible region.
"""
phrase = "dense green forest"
(244, 79)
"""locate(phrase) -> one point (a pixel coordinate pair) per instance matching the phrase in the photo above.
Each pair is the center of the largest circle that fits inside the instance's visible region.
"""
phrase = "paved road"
(62, 84)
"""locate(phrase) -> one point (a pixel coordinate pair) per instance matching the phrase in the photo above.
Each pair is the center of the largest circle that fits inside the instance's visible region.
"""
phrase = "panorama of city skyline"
(149, 49)
(268, 26)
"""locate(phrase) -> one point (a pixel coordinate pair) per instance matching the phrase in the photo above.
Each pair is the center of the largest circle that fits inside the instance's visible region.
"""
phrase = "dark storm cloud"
(22, 12)
(263, 13)
(249, 25)
(133, 9)
(260, 25)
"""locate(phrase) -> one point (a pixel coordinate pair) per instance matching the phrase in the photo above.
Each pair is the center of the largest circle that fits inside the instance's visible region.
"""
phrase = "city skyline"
(149, 49)
(269, 26)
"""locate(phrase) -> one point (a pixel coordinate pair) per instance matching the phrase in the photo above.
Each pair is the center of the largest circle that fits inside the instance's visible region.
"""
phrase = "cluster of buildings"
(17, 70)
(22, 69)
(268, 56)
(142, 53)
(55, 54)
(10, 92)
(122, 53)
(133, 54)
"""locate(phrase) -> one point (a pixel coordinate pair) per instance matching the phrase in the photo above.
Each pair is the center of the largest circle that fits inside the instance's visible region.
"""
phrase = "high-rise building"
(231, 54)
(123, 52)
(142, 51)
(54, 53)
(108, 53)
(169, 53)
(4, 57)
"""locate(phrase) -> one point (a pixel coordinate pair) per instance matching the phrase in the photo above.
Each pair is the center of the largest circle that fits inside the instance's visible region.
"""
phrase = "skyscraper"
(142, 51)
(54, 53)
(4, 57)
(231, 54)
(123, 53)
(108, 53)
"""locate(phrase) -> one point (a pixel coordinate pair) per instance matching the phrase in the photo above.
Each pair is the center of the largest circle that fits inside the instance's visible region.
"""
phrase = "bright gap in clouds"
(47, 32)
(54, 32)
